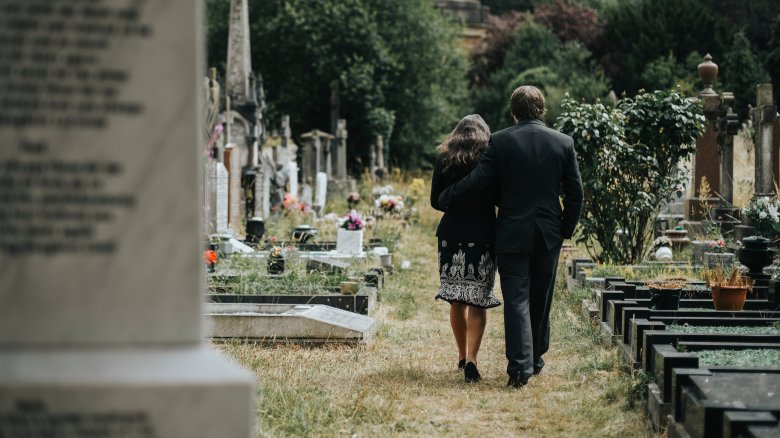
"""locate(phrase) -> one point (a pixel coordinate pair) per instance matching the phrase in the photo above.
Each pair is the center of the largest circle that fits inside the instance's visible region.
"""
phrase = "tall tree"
(640, 31)
(398, 64)
(740, 71)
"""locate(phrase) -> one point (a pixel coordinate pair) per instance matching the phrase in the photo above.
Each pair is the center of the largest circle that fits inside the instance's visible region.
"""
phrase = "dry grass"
(405, 383)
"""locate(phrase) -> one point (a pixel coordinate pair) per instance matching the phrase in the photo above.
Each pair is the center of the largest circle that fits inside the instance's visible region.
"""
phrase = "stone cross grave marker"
(101, 276)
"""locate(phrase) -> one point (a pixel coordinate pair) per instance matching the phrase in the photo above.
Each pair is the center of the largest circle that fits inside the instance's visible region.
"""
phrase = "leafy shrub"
(629, 159)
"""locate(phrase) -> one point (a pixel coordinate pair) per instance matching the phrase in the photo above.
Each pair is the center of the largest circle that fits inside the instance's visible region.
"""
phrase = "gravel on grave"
(749, 358)
(766, 330)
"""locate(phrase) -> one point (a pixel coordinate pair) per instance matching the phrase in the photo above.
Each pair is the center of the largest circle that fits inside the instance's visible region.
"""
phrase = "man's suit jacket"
(533, 166)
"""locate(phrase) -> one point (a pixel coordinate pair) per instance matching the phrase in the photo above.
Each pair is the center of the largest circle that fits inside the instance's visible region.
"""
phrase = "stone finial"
(763, 95)
(708, 73)
(341, 131)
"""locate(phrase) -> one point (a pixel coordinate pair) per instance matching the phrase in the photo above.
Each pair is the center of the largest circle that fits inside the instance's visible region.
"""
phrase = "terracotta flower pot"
(729, 297)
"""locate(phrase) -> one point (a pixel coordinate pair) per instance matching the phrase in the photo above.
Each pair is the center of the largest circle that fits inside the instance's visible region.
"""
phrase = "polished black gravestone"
(709, 397)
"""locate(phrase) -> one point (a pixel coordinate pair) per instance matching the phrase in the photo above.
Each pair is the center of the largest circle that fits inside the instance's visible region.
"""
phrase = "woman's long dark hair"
(465, 144)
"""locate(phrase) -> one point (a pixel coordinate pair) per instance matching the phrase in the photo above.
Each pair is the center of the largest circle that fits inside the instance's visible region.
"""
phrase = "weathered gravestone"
(101, 275)
(233, 165)
(218, 197)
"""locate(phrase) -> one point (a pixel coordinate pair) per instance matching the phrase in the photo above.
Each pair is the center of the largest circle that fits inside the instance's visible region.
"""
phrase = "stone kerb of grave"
(101, 276)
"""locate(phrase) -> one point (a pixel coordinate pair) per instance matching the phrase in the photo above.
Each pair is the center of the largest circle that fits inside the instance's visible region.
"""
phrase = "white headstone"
(101, 276)
(219, 182)
(266, 199)
(293, 166)
(321, 190)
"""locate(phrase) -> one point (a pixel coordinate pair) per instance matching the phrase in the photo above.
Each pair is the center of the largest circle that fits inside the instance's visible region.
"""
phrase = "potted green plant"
(728, 293)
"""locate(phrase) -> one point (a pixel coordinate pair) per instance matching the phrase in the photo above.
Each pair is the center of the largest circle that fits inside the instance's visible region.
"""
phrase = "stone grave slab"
(363, 302)
(327, 265)
(289, 323)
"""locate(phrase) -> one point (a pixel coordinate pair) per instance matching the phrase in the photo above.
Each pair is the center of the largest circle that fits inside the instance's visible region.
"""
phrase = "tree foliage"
(640, 31)
(398, 65)
(570, 21)
(741, 71)
(537, 57)
(629, 158)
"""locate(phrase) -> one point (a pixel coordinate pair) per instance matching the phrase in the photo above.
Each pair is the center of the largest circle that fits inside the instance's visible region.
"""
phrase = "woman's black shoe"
(461, 364)
(472, 373)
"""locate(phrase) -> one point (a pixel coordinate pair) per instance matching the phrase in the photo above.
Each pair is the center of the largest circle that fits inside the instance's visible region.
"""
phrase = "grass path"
(405, 382)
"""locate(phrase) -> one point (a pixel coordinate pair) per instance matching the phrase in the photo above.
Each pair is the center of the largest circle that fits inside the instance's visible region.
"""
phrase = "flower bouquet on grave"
(349, 238)
(728, 293)
(717, 246)
(275, 261)
(666, 293)
(764, 213)
(390, 204)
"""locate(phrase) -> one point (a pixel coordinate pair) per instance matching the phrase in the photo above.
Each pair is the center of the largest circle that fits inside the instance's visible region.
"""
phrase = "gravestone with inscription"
(101, 276)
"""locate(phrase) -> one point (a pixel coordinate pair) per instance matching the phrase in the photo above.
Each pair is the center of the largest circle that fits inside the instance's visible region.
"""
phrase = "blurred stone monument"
(101, 276)
(473, 17)
(764, 117)
(706, 163)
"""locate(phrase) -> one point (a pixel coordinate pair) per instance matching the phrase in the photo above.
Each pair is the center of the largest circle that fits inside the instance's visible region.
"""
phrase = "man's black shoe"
(538, 365)
(516, 381)
(461, 364)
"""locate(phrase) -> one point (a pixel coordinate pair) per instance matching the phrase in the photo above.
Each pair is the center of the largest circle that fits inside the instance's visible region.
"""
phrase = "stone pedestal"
(698, 248)
(725, 260)
(101, 328)
(140, 392)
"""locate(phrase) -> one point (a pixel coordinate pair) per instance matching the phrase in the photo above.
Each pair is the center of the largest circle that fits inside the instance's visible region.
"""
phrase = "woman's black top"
(472, 219)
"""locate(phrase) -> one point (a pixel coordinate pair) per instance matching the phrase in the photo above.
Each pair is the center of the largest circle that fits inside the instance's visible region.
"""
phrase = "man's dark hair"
(527, 102)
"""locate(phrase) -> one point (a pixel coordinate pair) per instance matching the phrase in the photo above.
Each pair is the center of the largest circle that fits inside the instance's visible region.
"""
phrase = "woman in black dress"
(467, 261)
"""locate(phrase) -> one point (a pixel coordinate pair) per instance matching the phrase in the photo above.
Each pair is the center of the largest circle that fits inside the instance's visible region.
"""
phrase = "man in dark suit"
(532, 166)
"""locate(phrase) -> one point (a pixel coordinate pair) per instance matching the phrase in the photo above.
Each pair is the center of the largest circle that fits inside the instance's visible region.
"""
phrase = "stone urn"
(679, 238)
(708, 72)
(725, 260)
(756, 254)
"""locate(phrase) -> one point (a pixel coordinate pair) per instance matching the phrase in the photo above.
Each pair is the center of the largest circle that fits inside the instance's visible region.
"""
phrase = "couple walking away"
(530, 173)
